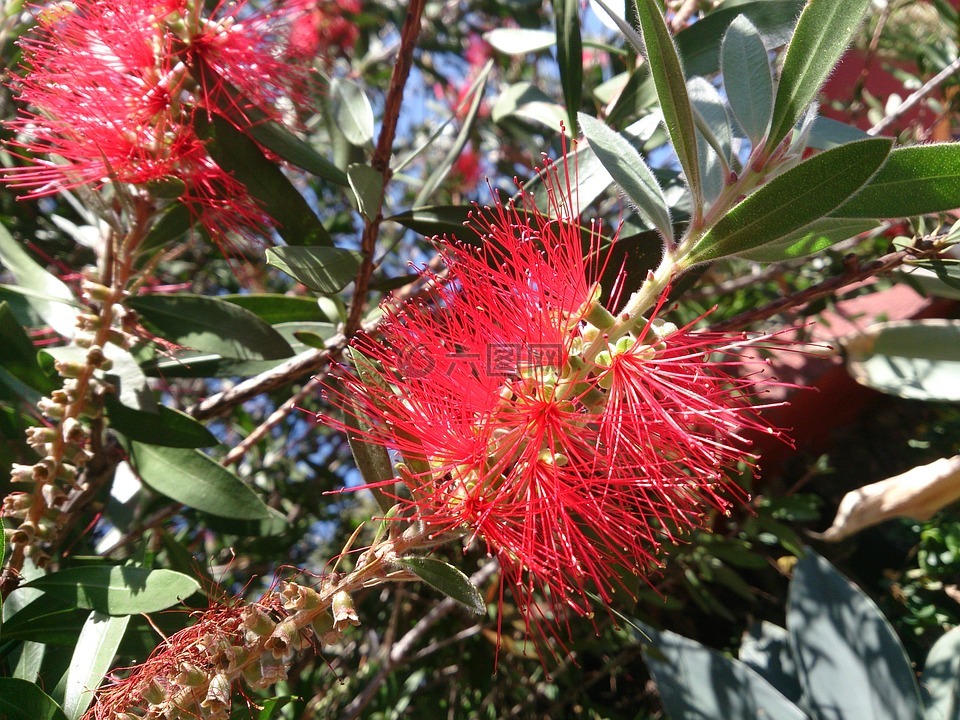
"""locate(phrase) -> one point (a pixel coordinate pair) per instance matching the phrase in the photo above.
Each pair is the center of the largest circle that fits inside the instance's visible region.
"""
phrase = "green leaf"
(826, 133)
(569, 56)
(352, 110)
(700, 43)
(167, 426)
(117, 590)
(520, 41)
(372, 459)
(823, 32)
(47, 619)
(172, 224)
(630, 172)
(438, 220)
(710, 116)
(322, 269)
(671, 85)
(50, 297)
(270, 134)
(96, 646)
(765, 648)
(22, 700)
(18, 356)
(273, 309)
(793, 200)
(211, 325)
(240, 156)
(525, 101)
(918, 359)
(940, 681)
(29, 660)
(697, 682)
(850, 662)
(475, 95)
(814, 238)
(915, 180)
(367, 186)
(747, 79)
(447, 579)
(192, 478)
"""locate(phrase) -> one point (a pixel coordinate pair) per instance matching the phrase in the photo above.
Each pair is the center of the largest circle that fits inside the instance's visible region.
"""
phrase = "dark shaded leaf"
(790, 201)
(697, 682)
(22, 700)
(447, 579)
(569, 56)
(167, 426)
(241, 157)
(274, 309)
(850, 662)
(117, 590)
(192, 478)
(211, 325)
(322, 269)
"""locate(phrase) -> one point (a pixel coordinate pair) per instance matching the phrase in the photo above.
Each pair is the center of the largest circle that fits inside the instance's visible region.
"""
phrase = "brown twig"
(381, 159)
(916, 97)
(854, 273)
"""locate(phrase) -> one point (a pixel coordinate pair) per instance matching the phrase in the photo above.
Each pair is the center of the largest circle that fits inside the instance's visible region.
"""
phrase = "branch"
(398, 653)
(853, 273)
(381, 158)
(299, 366)
(916, 97)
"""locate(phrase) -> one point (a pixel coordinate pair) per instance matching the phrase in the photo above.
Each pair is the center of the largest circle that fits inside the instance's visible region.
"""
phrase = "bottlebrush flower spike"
(112, 88)
(570, 440)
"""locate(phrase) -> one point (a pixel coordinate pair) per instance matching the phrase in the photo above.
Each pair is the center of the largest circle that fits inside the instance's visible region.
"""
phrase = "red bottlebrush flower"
(570, 440)
(323, 29)
(113, 87)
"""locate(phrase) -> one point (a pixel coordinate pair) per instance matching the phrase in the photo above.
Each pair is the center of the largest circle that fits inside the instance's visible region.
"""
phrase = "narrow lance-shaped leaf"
(918, 359)
(22, 700)
(850, 662)
(239, 155)
(322, 269)
(367, 186)
(914, 180)
(194, 479)
(48, 289)
(710, 115)
(790, 201)
(209, 324)
(747, 79)
(667, 73)
(117, 590)
(811, 239)
(92, 656)
(569, 56)
(269, 133)
(447, 579)
(823, 32)
(630, 172)
(353, 113)
(697, 682)
(475, 95)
